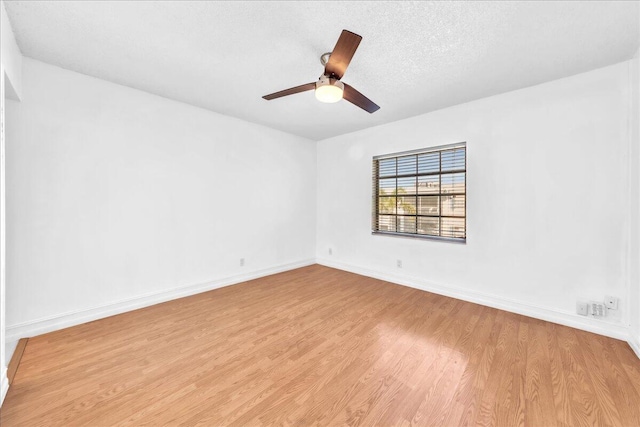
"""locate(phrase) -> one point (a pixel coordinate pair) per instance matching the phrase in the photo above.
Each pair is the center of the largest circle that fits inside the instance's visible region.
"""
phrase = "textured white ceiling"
(415, 57)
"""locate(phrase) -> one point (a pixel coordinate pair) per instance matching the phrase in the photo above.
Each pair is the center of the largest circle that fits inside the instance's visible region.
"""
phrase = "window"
(421, 193)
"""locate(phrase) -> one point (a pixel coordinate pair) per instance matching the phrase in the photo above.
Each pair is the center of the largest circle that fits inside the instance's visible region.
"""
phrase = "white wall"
(118, 198)
(10, 86)
(4, 381)
(11, 57)
(634, 191)
(548, 207)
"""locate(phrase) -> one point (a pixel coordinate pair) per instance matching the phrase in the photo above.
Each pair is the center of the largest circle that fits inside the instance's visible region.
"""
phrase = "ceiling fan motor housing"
(326, 80)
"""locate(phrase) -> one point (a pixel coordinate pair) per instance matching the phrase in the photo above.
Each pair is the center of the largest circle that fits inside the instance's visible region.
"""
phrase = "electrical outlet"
(241, 262)
(582, 308)
(611, 302)
(399, 263)
(597, 309)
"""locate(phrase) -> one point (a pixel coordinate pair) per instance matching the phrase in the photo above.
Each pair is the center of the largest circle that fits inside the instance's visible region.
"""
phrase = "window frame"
(375, 205)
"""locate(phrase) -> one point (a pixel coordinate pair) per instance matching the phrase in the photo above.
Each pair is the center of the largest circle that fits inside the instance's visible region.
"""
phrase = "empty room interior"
(320, 213)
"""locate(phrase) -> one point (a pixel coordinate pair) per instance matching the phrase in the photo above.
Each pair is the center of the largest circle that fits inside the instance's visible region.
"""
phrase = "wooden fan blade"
(342, 54)
(358, 99)
(290, 91)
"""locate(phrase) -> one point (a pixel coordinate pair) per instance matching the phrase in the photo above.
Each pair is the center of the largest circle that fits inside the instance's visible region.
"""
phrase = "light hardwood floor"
(318, 346)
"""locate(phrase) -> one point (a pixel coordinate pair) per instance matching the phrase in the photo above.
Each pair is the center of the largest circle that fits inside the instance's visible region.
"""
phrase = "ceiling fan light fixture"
(329, 91)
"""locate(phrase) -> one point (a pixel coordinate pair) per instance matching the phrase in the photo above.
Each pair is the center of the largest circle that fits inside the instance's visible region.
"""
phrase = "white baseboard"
(65, 320)
(613, 330)
(634, 343)
(4, 384)
(49, 324)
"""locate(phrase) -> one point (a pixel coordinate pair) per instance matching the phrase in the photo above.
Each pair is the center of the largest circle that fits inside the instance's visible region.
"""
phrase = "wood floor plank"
(393, 331)
(539, 399)
(319, 346)
(614, 374)
(438, 400)
(466, 396)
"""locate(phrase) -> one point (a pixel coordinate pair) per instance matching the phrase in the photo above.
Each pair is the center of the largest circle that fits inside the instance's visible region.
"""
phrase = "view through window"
(421, 193)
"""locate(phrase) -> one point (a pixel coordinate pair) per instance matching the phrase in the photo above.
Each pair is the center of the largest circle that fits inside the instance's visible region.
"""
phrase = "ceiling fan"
(329, 88)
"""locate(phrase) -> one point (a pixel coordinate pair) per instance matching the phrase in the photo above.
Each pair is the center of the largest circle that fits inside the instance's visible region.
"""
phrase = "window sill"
(421, 236)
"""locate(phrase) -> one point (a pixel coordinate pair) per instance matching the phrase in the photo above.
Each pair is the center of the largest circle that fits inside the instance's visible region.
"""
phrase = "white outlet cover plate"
(611, 302)
(582, 308)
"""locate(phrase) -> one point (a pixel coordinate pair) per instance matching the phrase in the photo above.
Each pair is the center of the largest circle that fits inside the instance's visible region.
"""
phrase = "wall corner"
(11, 58)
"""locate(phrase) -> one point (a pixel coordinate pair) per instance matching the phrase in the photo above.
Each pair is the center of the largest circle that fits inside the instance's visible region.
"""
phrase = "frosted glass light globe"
(327, 92)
